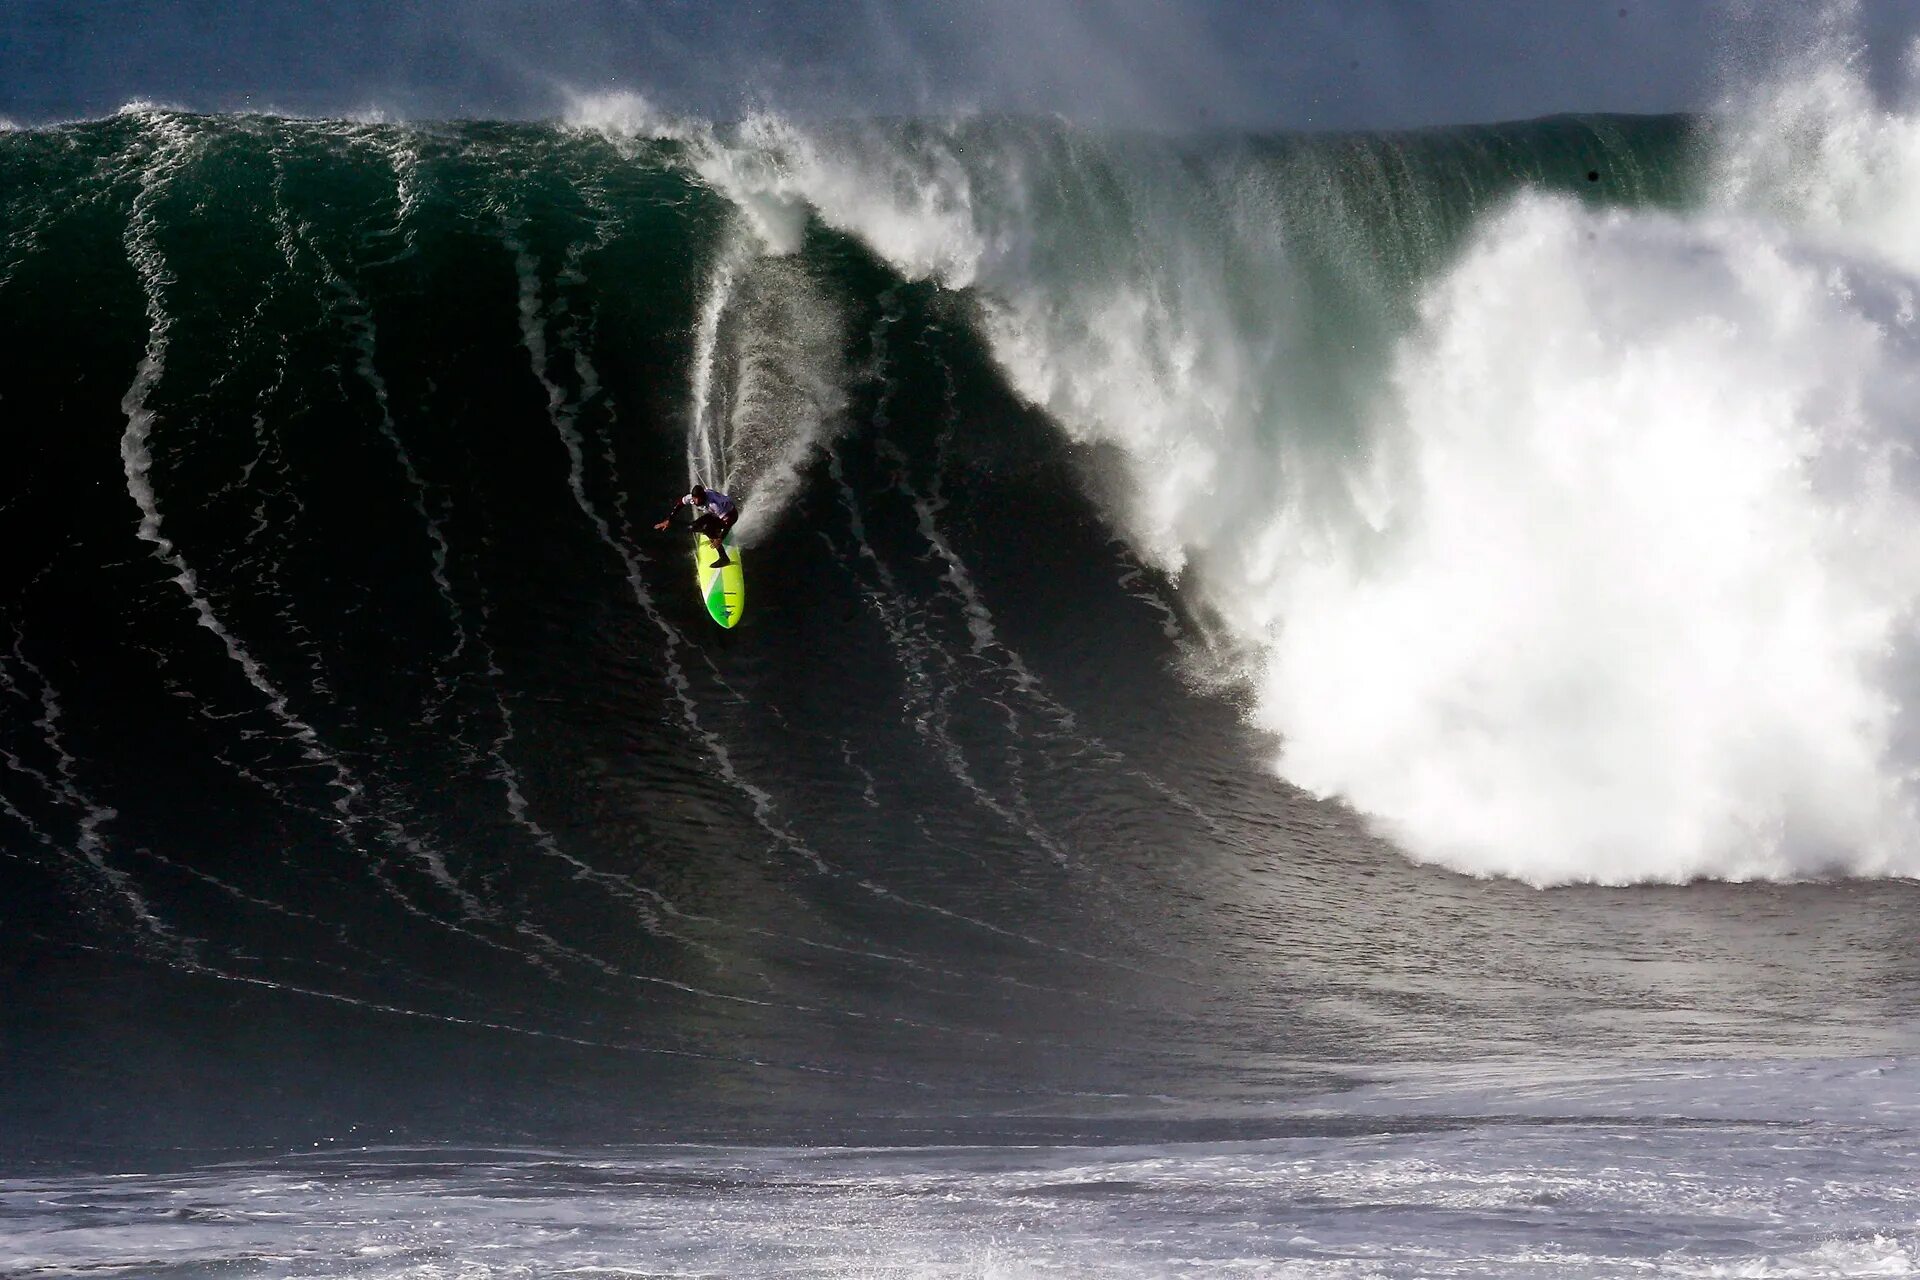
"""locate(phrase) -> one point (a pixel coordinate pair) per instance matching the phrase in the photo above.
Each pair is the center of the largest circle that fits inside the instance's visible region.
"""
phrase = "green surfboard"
(724, 590)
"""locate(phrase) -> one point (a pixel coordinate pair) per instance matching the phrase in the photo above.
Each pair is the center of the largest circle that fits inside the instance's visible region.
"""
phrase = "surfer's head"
(699, 494)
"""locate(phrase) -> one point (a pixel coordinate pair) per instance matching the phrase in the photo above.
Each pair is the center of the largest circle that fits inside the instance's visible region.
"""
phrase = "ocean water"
(1309, 704)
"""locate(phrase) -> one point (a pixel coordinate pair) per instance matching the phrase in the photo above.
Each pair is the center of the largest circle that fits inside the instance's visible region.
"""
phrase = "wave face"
(1540, 493)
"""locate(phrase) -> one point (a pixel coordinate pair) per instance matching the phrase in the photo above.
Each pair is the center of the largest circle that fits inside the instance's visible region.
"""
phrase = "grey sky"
(1322, 63)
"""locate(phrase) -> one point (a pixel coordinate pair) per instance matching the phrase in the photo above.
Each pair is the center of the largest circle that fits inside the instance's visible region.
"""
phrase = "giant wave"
(1140, 529)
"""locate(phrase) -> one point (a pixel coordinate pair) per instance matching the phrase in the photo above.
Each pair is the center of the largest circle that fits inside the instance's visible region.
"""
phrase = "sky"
(1153, 63)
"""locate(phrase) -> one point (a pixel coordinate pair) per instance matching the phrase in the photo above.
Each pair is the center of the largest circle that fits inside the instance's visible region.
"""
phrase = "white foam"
(1814, 149)
(1647, 546)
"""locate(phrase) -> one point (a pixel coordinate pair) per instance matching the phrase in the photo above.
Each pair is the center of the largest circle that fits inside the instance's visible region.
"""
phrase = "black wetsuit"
(715, 516)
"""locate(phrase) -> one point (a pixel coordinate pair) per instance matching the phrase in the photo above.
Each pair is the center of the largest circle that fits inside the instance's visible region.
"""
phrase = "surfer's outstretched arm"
(681, 502)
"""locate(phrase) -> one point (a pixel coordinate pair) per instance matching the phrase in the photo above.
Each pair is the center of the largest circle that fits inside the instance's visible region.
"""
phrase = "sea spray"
(776, 386)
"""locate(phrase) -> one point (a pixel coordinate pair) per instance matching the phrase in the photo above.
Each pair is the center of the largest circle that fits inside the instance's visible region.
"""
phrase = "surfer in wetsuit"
(714, 515)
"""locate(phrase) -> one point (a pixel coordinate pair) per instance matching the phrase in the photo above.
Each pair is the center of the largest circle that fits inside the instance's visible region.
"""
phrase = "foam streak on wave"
(358, 316)
(174, 151)
(22, 240)
(274, 536)
(89, 843)
(913, 646)
(647, 904)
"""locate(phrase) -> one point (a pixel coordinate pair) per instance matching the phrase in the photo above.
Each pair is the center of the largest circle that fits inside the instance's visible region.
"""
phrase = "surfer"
(714, 515)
